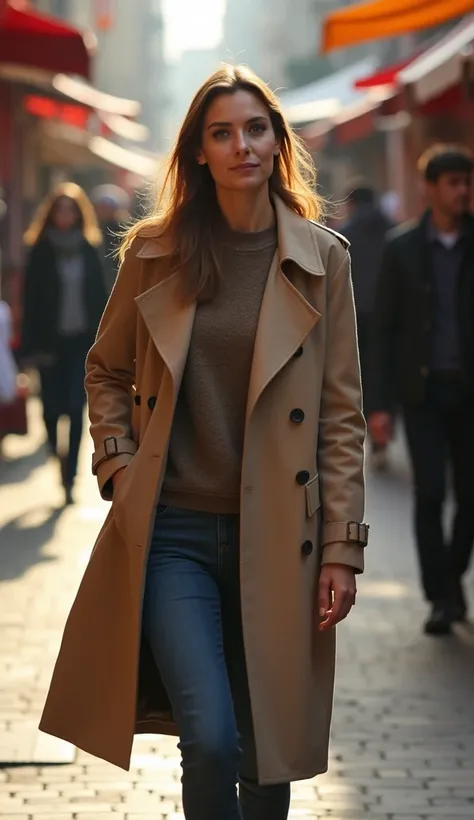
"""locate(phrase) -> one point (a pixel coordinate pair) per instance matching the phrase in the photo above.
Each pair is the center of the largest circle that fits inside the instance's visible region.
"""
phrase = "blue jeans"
(192, 621)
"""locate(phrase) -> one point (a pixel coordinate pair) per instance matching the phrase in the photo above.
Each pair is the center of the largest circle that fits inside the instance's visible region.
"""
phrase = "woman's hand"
(337, 594)
(117, 476)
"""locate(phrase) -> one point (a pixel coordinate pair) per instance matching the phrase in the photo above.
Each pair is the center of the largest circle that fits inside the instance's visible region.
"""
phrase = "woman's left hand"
(337, 594)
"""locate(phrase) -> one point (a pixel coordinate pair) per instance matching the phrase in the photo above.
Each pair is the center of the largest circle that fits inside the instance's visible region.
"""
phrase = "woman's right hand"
(117, 476)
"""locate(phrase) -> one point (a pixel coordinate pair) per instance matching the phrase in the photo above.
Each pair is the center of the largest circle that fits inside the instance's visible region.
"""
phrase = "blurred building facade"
(129, 61)
(280, 39)
(59, 116)
(185, 76)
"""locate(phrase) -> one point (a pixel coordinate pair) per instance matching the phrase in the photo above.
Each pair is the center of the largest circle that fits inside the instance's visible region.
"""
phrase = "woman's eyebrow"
(229, 124)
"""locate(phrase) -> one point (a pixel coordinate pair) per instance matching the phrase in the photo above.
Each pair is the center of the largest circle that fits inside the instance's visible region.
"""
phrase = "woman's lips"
(245, 166)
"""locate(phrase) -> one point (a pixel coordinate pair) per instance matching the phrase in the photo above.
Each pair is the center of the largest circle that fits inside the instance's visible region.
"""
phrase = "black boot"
(458, 601)
(439, 622)
(68, 496)
(67, 482)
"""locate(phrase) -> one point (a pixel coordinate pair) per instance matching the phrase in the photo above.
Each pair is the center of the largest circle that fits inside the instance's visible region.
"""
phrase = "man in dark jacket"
(424, 360)
(366, 230)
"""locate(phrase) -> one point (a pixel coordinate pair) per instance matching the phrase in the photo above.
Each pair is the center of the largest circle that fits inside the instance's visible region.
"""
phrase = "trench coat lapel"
(169, 322)
(286, 317)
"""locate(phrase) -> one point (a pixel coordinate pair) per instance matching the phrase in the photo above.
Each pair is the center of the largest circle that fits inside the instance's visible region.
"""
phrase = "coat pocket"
(313, 501)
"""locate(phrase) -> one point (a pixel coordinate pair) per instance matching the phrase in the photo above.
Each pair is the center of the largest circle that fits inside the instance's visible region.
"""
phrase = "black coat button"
(138, 400)
(298, 353)
(151, 402)
(307, 548)
(302, 477)
(297, 416)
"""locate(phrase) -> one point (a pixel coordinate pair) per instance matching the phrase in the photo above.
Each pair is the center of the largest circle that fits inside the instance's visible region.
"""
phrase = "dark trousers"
(440, 435)
(365, 342)
(364, 338)
(192, 621)
(63, 394)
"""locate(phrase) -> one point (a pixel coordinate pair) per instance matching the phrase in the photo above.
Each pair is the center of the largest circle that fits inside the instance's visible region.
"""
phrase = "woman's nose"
(241, 146)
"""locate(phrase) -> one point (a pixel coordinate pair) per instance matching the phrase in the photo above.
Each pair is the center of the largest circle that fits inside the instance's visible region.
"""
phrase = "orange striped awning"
(387, 18)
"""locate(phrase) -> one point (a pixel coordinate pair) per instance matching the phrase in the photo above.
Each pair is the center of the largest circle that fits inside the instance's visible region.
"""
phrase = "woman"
(223, 389)
(64, 297)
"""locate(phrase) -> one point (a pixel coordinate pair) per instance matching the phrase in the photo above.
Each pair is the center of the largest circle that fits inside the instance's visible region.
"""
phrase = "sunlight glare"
(190, 25)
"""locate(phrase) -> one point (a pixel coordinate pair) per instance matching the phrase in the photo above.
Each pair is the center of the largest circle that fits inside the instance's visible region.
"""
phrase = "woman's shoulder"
(328, 236)
(332, 246)
(150, 228)
(148, 240)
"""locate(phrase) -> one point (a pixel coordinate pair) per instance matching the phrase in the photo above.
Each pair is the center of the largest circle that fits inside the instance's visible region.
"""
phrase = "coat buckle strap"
(109, 449)
(357, 533)
(348, 532)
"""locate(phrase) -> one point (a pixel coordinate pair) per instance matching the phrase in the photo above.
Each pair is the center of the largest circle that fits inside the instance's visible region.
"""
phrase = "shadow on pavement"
(17, 470)
(22, 540)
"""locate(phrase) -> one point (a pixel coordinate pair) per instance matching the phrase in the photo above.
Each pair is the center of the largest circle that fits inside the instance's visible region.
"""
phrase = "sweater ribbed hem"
(201, 503)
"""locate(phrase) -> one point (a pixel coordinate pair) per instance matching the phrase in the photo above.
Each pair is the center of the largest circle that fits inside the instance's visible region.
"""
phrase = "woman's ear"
(201, 159)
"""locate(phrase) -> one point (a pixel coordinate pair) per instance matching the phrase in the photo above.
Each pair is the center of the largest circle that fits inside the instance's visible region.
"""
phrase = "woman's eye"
(258, 128)
(220, 134)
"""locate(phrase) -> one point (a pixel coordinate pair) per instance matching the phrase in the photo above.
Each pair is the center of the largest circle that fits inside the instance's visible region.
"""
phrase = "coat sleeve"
(110, 377)
(342, 430)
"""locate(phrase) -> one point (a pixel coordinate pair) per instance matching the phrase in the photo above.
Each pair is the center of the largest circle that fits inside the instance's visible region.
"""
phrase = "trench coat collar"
(296, 241)
(285, 320)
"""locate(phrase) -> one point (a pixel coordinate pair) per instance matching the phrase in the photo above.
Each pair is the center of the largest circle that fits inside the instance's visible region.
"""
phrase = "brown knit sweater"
(206, 446)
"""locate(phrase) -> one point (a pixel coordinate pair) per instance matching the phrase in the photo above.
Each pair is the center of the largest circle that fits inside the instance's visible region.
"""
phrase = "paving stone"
(98, 814)
(14, 814)
(52, 816)
(148, 816)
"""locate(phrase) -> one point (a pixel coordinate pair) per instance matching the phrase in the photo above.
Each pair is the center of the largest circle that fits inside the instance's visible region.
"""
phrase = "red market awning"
(383, 76)
(354, 122)
(33, 39)
(387, 18)
(440, 67)
(433, 72)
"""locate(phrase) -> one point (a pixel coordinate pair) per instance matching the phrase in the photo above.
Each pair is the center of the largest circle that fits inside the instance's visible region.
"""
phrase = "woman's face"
(65, 214)
(238, 142)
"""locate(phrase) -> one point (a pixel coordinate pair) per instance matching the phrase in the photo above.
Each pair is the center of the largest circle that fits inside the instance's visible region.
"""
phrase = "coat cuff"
(110, 448)
(350, 532)
(343, 553)
(343, 543)
(112, 455)
(107, 469)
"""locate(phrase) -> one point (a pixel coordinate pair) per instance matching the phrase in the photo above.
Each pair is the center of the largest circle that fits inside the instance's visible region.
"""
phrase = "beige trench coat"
(105, 685)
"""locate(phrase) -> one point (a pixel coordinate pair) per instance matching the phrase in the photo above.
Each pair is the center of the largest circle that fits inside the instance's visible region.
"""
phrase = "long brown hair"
(44, 214)
(187, 202)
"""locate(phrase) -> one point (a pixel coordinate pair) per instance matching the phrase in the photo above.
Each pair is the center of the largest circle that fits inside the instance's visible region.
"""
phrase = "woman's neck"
(246, 211)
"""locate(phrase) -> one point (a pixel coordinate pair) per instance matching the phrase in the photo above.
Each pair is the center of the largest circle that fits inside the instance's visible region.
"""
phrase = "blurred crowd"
(414, 296)
(71, 265)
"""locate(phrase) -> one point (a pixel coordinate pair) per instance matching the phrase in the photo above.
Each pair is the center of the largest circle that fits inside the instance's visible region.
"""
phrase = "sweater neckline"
(248, 240)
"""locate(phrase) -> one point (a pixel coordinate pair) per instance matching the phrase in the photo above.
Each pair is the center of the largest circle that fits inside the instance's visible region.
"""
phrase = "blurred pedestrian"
(366, 230)
(112, 205)
(64, 296)
(228, 493)
(390, 206)
(424, 358)
(8, 369)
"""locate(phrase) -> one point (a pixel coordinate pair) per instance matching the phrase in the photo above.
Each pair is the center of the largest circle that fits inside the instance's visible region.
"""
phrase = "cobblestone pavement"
(403, 739)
